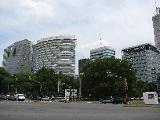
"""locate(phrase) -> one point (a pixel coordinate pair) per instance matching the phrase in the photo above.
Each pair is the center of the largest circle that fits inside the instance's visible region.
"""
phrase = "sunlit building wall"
(57, 52)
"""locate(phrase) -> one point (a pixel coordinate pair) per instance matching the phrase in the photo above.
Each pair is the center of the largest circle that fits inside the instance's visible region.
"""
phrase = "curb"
(134, 105)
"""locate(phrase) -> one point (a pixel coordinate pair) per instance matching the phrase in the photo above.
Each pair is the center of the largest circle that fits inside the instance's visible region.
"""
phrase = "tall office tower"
(57, 52)
(156, 26)
(144, 60)
(102, 52)
(18, 57)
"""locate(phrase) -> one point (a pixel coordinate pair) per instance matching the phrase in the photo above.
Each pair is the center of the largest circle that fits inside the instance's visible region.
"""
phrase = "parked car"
(46, 98)
(19, 97)
(66, 100)
(117, 100)
(7, 96)
(11, 97)
(36, 98)
(3, 97)
(62, 100)
(104, 101)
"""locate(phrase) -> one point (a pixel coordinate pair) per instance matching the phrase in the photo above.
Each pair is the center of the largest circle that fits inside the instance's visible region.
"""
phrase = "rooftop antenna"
(157, 9)
(100, 40)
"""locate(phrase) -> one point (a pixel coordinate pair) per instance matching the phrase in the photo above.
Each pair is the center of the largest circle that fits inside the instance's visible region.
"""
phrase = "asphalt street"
(12, 110)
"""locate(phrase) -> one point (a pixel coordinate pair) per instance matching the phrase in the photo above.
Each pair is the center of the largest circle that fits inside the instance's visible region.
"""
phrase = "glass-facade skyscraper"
(144, 60)
(18, 57)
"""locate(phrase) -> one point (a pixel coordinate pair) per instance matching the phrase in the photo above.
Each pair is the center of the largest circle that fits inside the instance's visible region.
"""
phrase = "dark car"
(11, 97)
(3, 97)
(117, 100)
(36, 98)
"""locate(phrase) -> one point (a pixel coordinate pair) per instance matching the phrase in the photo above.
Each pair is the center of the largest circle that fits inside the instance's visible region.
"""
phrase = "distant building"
(57, 52)
(18, 57)
(81, 64)
(102, 52)
(156, 26)
(145, 61)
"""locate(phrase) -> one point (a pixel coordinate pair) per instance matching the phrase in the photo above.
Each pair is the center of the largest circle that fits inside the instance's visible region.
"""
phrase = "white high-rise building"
(156, 26)
(57, 52)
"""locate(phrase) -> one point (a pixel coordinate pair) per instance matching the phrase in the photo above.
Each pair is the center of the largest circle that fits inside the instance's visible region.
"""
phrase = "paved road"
(12, 110)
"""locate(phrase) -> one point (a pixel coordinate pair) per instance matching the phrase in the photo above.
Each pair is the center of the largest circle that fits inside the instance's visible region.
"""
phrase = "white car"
(46, 98)
(20, 97)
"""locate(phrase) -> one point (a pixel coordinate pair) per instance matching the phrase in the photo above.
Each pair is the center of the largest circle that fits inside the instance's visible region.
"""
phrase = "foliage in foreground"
(43, 82)
(109, 77)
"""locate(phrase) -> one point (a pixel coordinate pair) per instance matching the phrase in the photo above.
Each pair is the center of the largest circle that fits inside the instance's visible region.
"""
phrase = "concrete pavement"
(12, 110)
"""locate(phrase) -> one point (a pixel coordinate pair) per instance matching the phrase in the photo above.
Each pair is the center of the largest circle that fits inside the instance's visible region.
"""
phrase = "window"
(150, 96)
(8, 53)
(14, 52)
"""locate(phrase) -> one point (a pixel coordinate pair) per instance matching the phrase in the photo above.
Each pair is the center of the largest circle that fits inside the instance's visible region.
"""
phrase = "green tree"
(4, 83)
(47, 80)
(106, 77)
(22, 82)
(141, 87)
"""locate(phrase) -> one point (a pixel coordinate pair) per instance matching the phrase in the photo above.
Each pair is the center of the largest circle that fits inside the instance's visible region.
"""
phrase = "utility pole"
(80, 85)
(15, 89)
(58, 90)
(126, 88)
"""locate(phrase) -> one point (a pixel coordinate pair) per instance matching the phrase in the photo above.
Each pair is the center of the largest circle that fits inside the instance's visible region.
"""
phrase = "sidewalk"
(140, 104)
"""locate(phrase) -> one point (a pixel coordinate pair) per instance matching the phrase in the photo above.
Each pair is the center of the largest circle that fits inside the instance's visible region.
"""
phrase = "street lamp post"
(126, 89)
(80, 85)
(15, 89)
(80, 88)
(70, 94)
(58, 87)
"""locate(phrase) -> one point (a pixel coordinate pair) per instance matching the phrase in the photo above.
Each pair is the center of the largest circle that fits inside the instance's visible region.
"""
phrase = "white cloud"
(37, 8)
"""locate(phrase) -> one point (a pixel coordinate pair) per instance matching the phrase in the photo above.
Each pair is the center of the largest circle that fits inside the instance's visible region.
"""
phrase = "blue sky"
(120, 23)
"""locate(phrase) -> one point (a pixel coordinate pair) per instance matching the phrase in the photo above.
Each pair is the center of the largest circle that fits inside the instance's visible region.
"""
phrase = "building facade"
(102, 52)
(18, 57)
(144, 60)
(57, 52)
(156, 26)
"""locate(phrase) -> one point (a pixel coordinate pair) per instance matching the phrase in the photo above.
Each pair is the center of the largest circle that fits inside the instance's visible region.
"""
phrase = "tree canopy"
(3, 80)
(106, 77)
(99, 78)
(42, 82)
